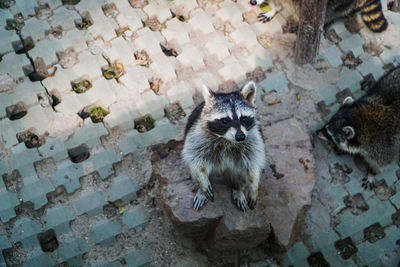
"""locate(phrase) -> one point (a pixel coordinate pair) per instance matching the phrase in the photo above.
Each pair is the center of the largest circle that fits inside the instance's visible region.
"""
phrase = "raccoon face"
(230, 116)
(341, 130)
(256, 2)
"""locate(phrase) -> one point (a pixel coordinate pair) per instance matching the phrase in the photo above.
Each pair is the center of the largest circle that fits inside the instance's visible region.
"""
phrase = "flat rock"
(288, 148)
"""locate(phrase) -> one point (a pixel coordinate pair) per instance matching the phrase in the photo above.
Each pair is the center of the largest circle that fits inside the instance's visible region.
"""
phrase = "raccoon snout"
(240, 136)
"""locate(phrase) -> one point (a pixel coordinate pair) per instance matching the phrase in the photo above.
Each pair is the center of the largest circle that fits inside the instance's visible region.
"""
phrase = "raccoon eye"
(225, 120)
(244, 119)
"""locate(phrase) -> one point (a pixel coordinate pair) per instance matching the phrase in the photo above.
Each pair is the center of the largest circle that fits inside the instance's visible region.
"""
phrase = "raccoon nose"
(253, 2)
(240, 136)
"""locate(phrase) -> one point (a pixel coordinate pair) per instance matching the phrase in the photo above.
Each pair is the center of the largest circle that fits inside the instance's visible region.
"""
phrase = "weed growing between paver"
(114, 71)
(142, 58)
(30, 138)
(17, 23)
(97, 114)
(174, 112)
(82, 86)
(84, 22)
(144, 124)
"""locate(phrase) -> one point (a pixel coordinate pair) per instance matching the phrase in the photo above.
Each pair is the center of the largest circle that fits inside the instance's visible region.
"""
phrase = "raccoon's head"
(230, 115)
(341, 130)
(257, 2)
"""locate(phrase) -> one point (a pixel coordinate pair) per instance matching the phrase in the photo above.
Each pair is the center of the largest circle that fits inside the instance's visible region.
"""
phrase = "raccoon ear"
(348, 100)
(349, 132)
(207, 95)
(248, 92)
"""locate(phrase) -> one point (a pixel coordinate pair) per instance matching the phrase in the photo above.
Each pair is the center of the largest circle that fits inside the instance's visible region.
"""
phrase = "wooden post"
(311, 25)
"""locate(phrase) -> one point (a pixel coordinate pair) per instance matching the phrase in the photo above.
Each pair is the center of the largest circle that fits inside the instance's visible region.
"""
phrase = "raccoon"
(370, 126)
(222, 136)
(371, 11)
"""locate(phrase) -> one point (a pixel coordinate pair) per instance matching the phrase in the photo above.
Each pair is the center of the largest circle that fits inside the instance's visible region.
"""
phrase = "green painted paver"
(104, 232)
(25, 230)
(135, 218)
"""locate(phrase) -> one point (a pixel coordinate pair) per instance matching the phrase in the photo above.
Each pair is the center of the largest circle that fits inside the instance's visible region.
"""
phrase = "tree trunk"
(311, 24)
(396, 5)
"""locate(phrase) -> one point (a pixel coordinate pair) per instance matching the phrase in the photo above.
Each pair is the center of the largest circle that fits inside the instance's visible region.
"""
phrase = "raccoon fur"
(370, 126)
(222, 136)
(371, 11)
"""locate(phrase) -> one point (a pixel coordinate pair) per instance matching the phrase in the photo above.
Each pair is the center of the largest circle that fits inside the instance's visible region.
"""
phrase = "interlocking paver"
(6, 40)
(244, 34)
(349, 79)
(35, 28)
(138, 258)
(191, 56)
(391, 55)
(135, 81)
(37, 257)
(331, 54)
(13, 64)
(35, 191)
(158, 9)
(74, 38)
(103, 27)
(24, 7)
(327, 93)
(91, 203)
(25, 230)
(123, 188)
(201, 21)
(181, 93)
(60, 81)
(103, 232)
(88, 134)
(176, 31)
(276, 81)
(149, 41)
(64, 17)
(157, 101)
(72, 249)
(354, 44)
(232, 70)
(258, 57)
(229, 11)
(297, 255)
(46, 49)
(22, 159)
(38, 118)
(164, 67)
(26, 92)
(122, 114)
(217, 45)
(101, 161)
(8, 200)
(129, 17)
(53, 148)
(120, 50)
(58, 218)
(68, 175)
(371, 65)
(136, 217)
(4, 243)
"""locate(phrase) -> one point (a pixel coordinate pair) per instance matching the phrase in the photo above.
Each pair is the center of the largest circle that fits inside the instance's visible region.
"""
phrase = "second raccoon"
(371, 11)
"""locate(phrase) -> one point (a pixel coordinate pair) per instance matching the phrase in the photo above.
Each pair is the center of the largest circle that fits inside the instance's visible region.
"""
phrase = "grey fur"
(208, 151)
(375, 122)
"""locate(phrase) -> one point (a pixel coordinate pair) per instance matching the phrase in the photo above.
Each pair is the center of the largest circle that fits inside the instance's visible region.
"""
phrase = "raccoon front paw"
(199, 200)
(368, 183)
(266, 16)
(239, 200)
(208, 192)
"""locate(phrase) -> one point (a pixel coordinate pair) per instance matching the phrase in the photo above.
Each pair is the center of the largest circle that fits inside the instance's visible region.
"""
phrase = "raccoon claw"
(209, 193)
(199, 200)
(239, 200)
(252, 203)
(264, 17)
(368, 183)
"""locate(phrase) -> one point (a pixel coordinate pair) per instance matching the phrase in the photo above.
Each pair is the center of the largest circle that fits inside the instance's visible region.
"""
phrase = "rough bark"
(396, 6)
(312, 18)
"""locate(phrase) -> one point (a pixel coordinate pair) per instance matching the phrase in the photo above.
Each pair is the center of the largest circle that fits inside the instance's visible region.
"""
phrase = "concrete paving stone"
(89, 65)
(354, 186)
(353, 226)
(349, 79)
(297, 255)
(71, 103)
(232, 70)
(60, 81)
(22, 159)
(135, 80)
(244, 35)
(12, 64)
(8, 130)
(5, 101)
(4, 15)
(159, 9)
(68, 175)
(26, 230)
(35, 191)
(136, 217)
(388, 174)
(103, 27)
(331, 54)
(123, 188)
(353, 43)
(101, 161)
(90, 203)
(38, 118)
(53, 148)
(184, 6)
(76, 39)
(46, 49)
(371, 65)
(338, 193)
(64, 17)
(218, 46)
(37, 257)
(4, 244)
(128, 145)
(177, 31)
(156, 109)
(121, 50)
(88, 134)
(164, 67)
(181, 93)
(162, 132)
(276, 81)
(339, 28)
(191, 56)
(229, 11)
(103, 91)
(6, 40)
(71, 250)
(3, 170)
(58, 218)
(26, 92)
(395, 199)
(273, 27)
(129, 17)
(35, 28)
(149, 41)
(142, 257)
(201, 21)
(53, 4)
(327, 93)
(91, 6)
(122, 114)
(391, 55)
(207, 78)
(8, 200)
(258, 57)
(24, 7)
(105, 264)
(369, 254)
(103, 232)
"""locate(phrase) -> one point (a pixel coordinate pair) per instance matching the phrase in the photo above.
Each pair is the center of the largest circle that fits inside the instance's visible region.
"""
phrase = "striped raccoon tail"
(372, 15)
